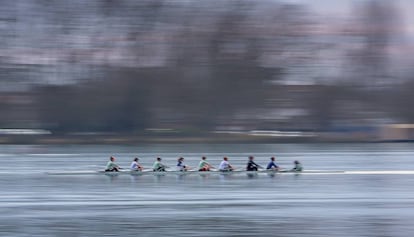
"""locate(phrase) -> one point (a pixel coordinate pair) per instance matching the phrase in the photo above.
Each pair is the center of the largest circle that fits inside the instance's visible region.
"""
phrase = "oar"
(234, 169)
(283, 170)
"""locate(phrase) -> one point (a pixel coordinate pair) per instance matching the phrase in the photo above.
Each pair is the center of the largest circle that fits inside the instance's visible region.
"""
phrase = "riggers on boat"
(224, 166)
(270, 172)
(151, 172)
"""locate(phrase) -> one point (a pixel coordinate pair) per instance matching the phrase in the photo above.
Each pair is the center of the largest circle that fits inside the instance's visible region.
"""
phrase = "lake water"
(34, 203)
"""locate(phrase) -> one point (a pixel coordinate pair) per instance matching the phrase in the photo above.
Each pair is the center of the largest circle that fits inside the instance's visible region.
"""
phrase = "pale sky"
(343, 9)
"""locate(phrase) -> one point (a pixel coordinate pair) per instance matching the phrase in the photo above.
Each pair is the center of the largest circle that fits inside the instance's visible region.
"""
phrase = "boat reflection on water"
(252, 175)
(336, 196)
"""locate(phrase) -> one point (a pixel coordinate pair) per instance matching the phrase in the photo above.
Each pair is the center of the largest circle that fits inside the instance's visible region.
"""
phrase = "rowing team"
(202, 166)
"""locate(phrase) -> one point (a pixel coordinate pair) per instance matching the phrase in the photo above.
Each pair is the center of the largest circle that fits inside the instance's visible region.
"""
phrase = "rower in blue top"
(272, 165)
(181, 166)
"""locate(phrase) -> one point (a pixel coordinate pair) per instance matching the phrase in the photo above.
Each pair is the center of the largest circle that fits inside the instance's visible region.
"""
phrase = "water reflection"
(212, 204)
(112, 177)
(252, 175)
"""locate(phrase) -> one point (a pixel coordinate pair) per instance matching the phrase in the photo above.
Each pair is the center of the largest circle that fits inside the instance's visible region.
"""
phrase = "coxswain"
(297, 166)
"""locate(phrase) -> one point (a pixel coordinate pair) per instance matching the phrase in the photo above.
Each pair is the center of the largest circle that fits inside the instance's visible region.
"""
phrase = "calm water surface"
(36, 204)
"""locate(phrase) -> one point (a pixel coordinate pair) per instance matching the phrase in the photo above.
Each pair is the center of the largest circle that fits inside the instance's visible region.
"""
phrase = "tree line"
(196, 66)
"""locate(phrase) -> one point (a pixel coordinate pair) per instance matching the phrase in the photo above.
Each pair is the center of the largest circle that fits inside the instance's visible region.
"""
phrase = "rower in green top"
(204, 165)
(297, 166)
(158, 166)
(111, 166)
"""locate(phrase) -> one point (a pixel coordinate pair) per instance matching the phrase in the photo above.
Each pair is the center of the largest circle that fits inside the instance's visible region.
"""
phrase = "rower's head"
(136, 159)
(225, 158)
(296, 162)
(203, 158)
(272, 158)
(158, 159)
(251, 157)
(111, 158)
(181, 159)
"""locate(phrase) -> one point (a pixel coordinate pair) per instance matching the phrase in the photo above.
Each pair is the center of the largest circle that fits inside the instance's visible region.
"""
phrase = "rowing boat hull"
(250, 173)
(190, 172)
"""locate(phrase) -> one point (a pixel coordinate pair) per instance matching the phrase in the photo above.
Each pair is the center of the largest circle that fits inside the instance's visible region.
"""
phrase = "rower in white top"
(225, 165)
(135, 166)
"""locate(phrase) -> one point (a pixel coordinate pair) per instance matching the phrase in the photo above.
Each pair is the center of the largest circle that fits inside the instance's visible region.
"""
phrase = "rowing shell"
(271, 172)
(128, 172)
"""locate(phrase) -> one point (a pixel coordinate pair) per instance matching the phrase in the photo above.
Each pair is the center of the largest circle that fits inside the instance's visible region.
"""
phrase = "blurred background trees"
(199, 66)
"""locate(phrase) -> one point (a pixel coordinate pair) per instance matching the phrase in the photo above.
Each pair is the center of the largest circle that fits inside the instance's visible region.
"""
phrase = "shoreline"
(211, 139)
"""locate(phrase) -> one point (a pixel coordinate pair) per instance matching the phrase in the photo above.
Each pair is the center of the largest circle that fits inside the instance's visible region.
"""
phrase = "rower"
(111, 166)
(225, 165)
(135, 166)
(181, 166)
(251, 165)
(272, 165)
(297, 166)
(204, 165)
(158, 166)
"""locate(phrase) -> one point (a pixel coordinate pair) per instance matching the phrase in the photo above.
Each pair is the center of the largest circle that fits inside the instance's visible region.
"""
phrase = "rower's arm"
(257, 165)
